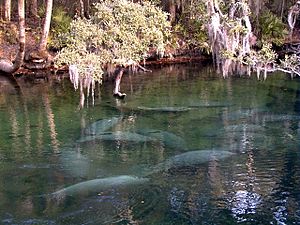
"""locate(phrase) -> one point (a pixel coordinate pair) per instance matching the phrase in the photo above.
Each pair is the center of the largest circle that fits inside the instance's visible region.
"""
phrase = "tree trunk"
(81, 7)
(84, 9)
(256, 6)
(7, 10)
(6, 65)
(87, 9)
(38, 58)
(292, 16)
(282, 9)
(170, 7)
(46, 28)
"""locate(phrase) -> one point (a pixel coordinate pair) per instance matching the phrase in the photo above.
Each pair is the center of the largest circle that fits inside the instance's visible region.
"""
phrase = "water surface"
(145, 142)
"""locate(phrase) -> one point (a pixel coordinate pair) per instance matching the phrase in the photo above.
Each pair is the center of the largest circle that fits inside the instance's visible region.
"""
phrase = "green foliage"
(192, 25)
(42, 11)
(60, 24)
(271, 28)
(60, 20)
(119, 33)
(154, 2)
(78, 51)
(266, 55)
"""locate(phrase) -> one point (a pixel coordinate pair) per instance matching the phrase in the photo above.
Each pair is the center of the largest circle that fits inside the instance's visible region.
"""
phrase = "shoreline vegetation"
(108, 38)
(181, 53)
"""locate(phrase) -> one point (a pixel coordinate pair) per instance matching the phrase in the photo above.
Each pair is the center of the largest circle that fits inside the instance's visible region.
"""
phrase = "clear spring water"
(47, 144)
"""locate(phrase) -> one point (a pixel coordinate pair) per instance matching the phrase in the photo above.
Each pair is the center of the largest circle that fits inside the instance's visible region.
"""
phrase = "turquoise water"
(184, 147)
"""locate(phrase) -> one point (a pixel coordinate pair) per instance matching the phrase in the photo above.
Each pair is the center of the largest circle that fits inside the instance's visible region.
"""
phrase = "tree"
(293, 15)
(119, 34)
(84, 6)
(6, 65)
(170, 7)
(40, 56)
(7, 10)
(46, 27)
(230, 33)
(231, 38)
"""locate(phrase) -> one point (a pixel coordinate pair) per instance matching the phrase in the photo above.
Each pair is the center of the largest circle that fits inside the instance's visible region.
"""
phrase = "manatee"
(101, 126)
(98, 185)
(210, 104)
(190, 159)
(168, 139)
(117, 136)
(164, 109)
(35, 166)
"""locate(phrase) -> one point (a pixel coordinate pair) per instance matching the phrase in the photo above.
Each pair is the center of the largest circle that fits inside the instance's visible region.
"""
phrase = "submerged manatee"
(98, 185)
(117, 136)
(168, 139)
(191, 158)
(210, 104)
(101, 126)
(164, 109)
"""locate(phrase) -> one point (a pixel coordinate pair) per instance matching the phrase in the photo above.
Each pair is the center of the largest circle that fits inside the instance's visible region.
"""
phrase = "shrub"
(60, 24)
(119, 33)
(271, 29)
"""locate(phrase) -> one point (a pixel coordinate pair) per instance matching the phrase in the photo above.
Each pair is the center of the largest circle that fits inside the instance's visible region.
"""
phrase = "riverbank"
(181, 53)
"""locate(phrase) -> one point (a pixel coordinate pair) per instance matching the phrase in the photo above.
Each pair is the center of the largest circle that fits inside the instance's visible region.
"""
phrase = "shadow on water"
(8, 84)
